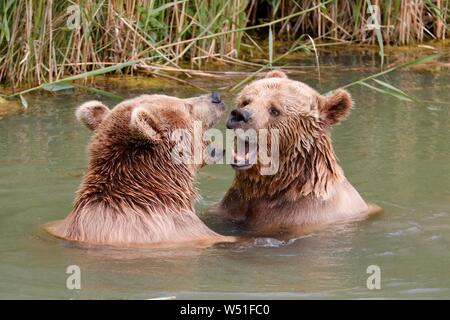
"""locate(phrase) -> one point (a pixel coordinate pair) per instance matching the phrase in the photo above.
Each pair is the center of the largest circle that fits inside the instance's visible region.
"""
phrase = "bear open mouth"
(244, 153)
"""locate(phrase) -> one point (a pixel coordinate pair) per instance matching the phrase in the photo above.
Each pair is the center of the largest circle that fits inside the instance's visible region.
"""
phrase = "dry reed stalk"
(36, 44)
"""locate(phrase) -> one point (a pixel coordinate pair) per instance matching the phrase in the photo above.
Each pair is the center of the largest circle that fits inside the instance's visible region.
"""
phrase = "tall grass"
(38, 45)
(36, 42)
(402, 21)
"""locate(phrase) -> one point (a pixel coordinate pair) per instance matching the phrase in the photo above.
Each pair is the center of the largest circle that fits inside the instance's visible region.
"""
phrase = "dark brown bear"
(134, 193)
(309, 188)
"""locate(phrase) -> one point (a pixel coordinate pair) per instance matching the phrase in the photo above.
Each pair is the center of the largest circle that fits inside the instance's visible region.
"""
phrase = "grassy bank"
(46, 40)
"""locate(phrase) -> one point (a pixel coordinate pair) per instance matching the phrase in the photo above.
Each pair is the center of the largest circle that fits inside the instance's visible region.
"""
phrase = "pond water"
(395, 153)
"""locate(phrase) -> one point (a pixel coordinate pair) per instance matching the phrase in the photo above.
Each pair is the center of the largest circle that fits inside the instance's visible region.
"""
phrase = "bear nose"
(237, 116)
(215, 97)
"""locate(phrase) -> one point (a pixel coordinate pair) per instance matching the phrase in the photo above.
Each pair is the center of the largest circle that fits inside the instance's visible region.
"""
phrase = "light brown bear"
(309, 189)
(134, 193)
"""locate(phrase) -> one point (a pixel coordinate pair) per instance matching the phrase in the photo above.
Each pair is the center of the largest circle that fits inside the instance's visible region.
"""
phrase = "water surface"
(395, 153)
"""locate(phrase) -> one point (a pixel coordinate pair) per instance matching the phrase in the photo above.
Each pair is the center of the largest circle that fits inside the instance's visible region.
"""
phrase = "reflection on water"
(395, 153)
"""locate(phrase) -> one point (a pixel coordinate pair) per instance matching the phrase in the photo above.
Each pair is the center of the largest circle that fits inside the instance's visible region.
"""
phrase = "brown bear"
(134, 193)
(309, 188)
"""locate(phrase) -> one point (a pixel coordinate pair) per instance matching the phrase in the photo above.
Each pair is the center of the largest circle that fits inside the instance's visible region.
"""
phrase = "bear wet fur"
(309, 188)
(133, 192)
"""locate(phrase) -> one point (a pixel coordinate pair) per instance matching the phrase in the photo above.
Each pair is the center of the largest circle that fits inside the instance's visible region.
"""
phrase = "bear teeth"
(237, 159)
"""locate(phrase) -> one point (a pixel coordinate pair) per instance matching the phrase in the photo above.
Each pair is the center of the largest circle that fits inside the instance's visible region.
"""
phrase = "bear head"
(302, 118)
(131, 158)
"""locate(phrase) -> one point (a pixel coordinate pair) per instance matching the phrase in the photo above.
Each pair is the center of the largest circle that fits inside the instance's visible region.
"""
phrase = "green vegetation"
(45, 40)
(52, 43)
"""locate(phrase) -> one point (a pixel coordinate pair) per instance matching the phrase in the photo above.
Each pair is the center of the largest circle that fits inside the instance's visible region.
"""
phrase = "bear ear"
(276, 74)
(335, 107)
(144, 125)
(91, 113)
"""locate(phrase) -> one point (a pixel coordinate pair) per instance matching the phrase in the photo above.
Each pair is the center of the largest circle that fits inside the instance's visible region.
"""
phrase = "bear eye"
(274, 111)
(245, 103)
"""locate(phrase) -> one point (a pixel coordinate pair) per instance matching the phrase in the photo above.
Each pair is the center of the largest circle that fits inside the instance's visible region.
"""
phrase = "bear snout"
(238, 117)
(215, 97)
